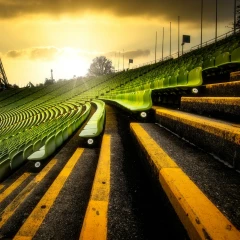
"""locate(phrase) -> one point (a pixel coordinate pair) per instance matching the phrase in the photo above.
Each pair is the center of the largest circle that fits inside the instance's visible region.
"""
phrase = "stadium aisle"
(136, 210)
(52, 204)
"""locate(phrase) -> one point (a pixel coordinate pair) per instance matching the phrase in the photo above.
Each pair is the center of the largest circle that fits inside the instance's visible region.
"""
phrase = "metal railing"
(175, 55)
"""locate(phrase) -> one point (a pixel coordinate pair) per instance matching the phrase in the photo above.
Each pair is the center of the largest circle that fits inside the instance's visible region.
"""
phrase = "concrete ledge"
(228, 107)
(226, 89)
(200, 217)
(217, 137)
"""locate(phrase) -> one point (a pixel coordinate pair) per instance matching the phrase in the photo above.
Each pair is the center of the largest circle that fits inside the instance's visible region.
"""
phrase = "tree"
(100, 66)
(238, 16)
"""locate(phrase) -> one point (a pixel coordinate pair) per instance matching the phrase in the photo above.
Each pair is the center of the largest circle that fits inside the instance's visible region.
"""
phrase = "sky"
(66, 35)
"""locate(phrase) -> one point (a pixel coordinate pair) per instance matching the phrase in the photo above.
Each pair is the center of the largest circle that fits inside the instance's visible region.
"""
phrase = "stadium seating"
(36, 121)
(95, 125)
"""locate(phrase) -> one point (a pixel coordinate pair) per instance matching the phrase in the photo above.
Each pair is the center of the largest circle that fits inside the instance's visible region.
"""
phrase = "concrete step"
(222, 107)
(220, 138)
(192, 181)
(226, 89)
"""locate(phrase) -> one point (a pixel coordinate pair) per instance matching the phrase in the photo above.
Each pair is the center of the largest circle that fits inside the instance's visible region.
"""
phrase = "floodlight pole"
(216, 21)
(170, 39)
(201, 19)
(162, 43)
(118, 60)
(178, 33)
(182, 47)
(156, 48)
(123, 59)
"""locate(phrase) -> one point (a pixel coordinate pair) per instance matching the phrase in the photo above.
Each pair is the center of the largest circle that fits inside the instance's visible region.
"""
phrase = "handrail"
(175, 55)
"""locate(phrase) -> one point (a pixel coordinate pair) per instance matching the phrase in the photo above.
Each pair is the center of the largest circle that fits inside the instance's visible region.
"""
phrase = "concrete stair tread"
(218, 182)
(199, 118)
(222, 89)
(221, 138)
(213, 100)
(227, 108)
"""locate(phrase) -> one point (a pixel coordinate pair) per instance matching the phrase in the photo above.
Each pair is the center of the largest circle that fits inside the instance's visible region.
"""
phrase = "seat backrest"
(17, 160)
(50, 145)
(59, 138)
(222, 59)
(195, 77)
(182, 78)
(28, 151)
(235, 56)
(37, 145)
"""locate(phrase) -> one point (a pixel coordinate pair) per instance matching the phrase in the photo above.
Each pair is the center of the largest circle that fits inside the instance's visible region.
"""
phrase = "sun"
(70, 64)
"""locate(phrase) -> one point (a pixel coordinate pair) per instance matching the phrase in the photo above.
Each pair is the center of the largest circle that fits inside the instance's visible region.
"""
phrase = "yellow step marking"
(198, 214)
(1, 186)
(12, 207)
(232, 101)
(35, 219)
(158, 158)
(95, 221)
(217, 128)
(222, 85)
(13, 186)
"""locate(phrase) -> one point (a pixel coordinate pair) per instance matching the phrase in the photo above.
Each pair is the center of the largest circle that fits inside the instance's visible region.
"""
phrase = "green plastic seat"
(209, 63)
(235, 55)
(17, 160)
(28, 151)
(45, 151)
(166, 82)
(5, 168)
(195, 77)
(37, 145)
(95, 125)
(65, 133)
(222, 59)
(59, 139)
(182, 79)
(173, 79)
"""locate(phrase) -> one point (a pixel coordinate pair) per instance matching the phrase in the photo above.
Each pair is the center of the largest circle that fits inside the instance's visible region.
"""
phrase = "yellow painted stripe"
(157, 157)
(1, 186)
(232, 101)
(223, 85)
(13, 186)
(198, 214)
(95, 221)
(12, 207)
(34, 221)
(217, 128)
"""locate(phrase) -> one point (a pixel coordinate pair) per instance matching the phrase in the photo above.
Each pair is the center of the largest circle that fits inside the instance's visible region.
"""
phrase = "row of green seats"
(16, 149)
(25, 119)
(222, 60)
(179, 79)
(55, 140)
(134, 101)
(95, 125)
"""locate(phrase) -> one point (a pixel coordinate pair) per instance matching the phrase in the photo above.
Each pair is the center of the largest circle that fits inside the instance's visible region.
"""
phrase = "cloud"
(129, 54)
(47, 54)
(16, 53)
(37, 53)
(189, 10)
(137, 53)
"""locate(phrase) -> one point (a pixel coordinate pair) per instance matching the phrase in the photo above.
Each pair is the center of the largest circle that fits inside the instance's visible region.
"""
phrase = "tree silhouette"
(238, 16)
(100, 66)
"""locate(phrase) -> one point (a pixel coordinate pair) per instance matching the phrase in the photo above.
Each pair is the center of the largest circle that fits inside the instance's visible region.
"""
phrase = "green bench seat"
(95, 125)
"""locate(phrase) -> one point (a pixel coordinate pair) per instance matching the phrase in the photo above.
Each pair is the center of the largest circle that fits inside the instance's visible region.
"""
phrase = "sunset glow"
(66, 35)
